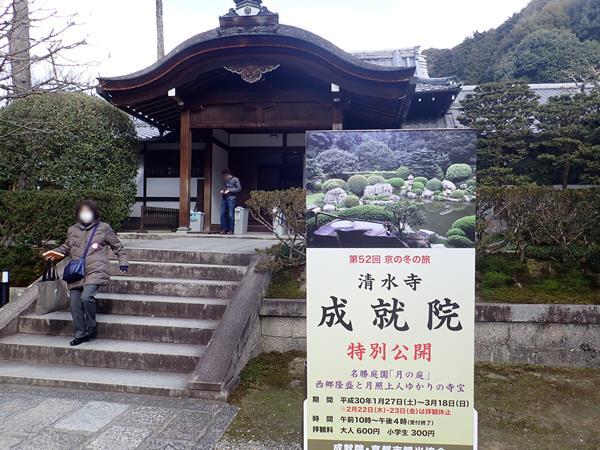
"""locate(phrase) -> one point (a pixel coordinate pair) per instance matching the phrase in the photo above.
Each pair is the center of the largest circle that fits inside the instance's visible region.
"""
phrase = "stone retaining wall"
(554, 335)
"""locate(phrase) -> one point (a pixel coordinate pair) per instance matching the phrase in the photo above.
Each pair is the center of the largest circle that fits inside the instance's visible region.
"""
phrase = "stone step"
(190, 257)
(181, 270)
(110, 353)
(174, 287)
(161, 306)
(126, 327)
(100, 379)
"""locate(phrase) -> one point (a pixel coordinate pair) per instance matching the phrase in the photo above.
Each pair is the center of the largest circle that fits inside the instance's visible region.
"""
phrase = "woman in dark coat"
(97, 265)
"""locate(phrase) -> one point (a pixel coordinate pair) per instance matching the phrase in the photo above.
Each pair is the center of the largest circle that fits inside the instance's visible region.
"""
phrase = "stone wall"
(554, 335)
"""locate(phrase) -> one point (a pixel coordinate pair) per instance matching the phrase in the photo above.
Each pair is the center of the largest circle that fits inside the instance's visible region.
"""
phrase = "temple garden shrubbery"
(32, 221)
(429, 174)
(56, 149)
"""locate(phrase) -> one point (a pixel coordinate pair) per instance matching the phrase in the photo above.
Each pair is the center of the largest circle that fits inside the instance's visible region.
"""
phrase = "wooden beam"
(185, 171)
(207, 183)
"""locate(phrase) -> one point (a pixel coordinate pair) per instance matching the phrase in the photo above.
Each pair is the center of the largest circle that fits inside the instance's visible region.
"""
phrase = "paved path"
(204, 244)
(38, 418)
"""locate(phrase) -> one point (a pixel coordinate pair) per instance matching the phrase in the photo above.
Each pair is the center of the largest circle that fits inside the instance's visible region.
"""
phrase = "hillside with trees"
(548, 41)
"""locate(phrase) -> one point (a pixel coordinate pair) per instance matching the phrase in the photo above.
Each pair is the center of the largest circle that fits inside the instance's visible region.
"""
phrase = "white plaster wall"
(139, 179)
(220, 161)
(168, 187)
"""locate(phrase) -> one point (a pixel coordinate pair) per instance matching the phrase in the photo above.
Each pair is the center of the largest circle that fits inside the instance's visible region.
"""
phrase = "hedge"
(351, 201)
(420, 180)
(33, 218)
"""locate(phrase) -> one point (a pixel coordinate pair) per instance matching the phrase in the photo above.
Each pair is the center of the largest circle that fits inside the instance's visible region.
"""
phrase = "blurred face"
(226, 176)
(86, 215)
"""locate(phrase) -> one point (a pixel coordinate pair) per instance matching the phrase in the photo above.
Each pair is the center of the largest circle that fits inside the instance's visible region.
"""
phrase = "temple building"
(243, 95)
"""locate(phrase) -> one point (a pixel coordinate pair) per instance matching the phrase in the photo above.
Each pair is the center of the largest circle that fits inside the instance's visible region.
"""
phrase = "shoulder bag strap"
(89, 243)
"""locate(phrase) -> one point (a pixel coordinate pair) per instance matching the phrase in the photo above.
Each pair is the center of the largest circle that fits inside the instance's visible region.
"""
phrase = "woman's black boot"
(78, 341)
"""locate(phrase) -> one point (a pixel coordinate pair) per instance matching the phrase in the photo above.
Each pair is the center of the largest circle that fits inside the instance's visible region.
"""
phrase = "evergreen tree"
(567, 138)
(502, 114)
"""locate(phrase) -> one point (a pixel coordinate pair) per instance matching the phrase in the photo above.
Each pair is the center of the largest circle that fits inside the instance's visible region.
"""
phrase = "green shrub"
(351, 201)
(367, 212)
(357, 184)
(403, 172)
(25, 264)
(419, 192)
(421, 180)
(33, 220)
(73, 141)
(333, 184)
(397, 183)
(455, 232)
(467, 225)
(499, 263)
(459, 193)
(457, 172)
(459, 242)
(417, 185)
(471, 183)
(495, 280)
(376, 179)
(434, 185)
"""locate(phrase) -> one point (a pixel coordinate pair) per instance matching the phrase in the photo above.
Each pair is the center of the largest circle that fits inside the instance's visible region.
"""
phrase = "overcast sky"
(121, 33)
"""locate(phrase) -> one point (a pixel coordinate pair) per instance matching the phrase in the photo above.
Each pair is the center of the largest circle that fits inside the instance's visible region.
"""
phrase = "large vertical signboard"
(390, 280)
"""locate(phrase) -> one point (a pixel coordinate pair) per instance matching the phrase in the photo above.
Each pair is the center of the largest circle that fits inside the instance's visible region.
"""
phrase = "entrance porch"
(261, 160)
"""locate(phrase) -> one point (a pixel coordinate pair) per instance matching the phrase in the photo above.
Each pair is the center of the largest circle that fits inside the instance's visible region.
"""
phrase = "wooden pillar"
(185, 171)
(207, 183)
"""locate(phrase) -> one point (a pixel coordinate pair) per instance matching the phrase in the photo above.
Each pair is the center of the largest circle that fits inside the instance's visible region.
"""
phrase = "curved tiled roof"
(287, 31)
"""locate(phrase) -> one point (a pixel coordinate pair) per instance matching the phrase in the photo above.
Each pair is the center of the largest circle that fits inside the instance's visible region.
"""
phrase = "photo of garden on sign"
(403, 189)
(390, 289)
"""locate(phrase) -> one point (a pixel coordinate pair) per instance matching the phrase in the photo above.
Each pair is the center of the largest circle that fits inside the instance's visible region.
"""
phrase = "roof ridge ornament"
(248, 15)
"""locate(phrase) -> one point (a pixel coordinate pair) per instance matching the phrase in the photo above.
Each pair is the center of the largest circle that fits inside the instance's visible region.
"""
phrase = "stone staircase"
(153, 326)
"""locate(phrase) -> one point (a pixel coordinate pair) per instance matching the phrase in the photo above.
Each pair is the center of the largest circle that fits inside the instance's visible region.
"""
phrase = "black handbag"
(75, 269)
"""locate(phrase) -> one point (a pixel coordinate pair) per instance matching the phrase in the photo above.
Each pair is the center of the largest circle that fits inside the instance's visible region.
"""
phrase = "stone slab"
(92, 417)
(119, 437)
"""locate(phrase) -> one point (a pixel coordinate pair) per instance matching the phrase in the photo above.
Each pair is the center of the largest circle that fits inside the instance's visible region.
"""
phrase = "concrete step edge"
(162, 299)
(125, 278)
(105, 345)
(179, 264)
(203, 324)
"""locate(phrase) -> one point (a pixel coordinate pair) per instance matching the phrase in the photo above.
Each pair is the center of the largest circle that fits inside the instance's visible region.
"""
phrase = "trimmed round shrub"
(357, 184)
(419, 192)
(420, 180)
(435, 185)
(333, 184)
(367, 212)
(376, 179)
(458, 172)
(417, 185)
(73, 141)
(467, 225)
(403, 172)
(351, 201)
(459, 242)
(458, 193)
(495, 280)
(455, 232)
(397, 183)
(471, 183)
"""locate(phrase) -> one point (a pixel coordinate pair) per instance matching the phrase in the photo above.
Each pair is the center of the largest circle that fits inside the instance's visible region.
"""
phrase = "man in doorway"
(231, 188)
